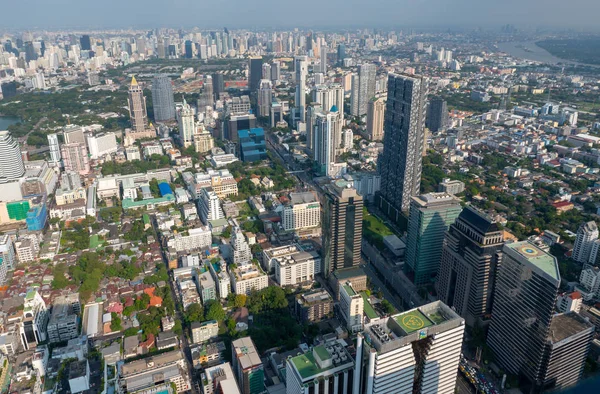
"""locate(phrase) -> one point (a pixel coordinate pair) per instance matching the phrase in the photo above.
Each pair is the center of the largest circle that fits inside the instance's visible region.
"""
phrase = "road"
(463, 386)
(394, 300)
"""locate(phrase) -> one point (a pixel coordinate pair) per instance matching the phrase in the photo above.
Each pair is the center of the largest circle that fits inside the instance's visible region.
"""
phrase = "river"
(6, 121)
(527, 50)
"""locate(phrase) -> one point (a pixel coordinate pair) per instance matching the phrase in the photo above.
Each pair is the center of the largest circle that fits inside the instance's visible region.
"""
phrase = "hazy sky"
(301, 13)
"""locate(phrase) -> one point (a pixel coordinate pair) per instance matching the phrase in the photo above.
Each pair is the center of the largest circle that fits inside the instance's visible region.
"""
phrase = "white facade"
(301, 212)
(209, 206)
(7, 256)
(54, 147)
(133, 153)
(187, 125)
(569, 302)
(241, 250)
(586, 235)
(101, 144)
(197, 238)
(248, 277)
(297, 268)
(11, 162)
(351, 306)
(589, 283)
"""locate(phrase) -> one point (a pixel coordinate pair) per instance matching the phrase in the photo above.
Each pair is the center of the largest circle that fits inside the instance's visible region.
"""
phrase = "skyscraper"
(327, 136)
(265, 97)
(11, 161)
(189, 52)
(471, 256)
(266, 71)
(137, 107)
(218, 84)
(85, 43)
(323, 63)
(416, 351)
(354, 94)
(275, 72)
(524, 301)
(342, 216)
(206, 97)
(400, 162)
(341, 53)
(162, 98)
(365, 89)
(430, 216)
(375, 116)
(437, 114)
(586, 235)
(187, 124)
(75, 157)
(54, 147)
(254, 72)
(300, 63)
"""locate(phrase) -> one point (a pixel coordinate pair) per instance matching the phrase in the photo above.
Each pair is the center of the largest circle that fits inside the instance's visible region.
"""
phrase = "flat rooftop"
(349, 290)
(307, 366)
(566, 325)
(412, 321)
(537, 257)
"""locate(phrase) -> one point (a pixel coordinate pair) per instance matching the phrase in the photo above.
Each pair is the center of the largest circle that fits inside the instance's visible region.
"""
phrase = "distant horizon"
(309, 14)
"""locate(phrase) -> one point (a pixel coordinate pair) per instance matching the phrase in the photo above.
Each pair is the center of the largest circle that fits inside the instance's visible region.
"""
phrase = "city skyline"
(383, 13)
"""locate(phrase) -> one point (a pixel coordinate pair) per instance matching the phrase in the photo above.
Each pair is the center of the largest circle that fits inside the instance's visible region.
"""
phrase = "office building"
(155, 374)
(524, 302)
(265, 97)
(163, 101)
(187, 124)
(197, 238)
(323, 59)
(64, 321)
(247, 366)
(101, 144)
(586, 235)
(252, 145)
(205, 331)
(430, 216)
(275, 72)
(566, 351)
(351, 307)
(73, 134)
(301, 70)
(84, 42)
(11, 161)
(206, 98)
(326, 141)
(342, 216)
(326, 368)
(75, 158)
(437, 115)
(239, 122)
(218, 84)
(254, 72)
(203, 140)
(314, 306)
(292, 265)
(32, 329)
(137, 107)
(219, 379)
(54, 148)
(189, 49)
(400, 163)
(248, 277)
(471, 256)
(341, 53)
(363, 88)
(416, 351)
(375, 118)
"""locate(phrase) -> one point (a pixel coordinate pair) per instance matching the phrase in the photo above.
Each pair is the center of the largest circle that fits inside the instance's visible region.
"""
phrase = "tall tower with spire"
(137, 107)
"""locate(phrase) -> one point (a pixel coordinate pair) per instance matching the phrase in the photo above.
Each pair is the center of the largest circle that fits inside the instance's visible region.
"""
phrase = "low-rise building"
(314, 306)
(219, 379)
(205, 331)
(248, 277)
(142, 374)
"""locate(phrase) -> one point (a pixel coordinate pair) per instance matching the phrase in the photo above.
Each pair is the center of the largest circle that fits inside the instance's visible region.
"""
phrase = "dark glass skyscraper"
(85, 43)
(189, 53)
(341, 53)
(30, 53)
(400, 163)
(342, 224)
(470, 259)
(437, 114)
(163, 101)
(254, 73)
(218, 84)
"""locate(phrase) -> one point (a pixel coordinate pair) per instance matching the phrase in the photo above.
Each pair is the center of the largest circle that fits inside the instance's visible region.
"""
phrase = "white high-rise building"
(303, 211)
(586, 235)
(7, 256)
(11, 161)
(351, 306)
(265, 97)
(327, 137)
(101, 144)
(363, 88)
(32, 329)
(323, 64)
(301, 69)
(209, 206)
(54, 147)
(416, 351)
(187, 124)
(355, 94)
(241, 250)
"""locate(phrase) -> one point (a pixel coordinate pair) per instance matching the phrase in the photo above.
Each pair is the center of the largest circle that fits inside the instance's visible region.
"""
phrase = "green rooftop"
(322, 352)
(540, 259)
(367, 308)
(94, 241)
(307, 365)
(412, 321)
(349, 290)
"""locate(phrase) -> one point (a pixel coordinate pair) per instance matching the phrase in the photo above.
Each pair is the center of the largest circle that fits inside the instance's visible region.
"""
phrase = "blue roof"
(333, 109)
(164, 189)
(257, 131)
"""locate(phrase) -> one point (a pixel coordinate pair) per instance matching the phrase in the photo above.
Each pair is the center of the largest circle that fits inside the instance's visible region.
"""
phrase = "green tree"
(177, 328)
(194, 313)
(115, 322)
(214, 311)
